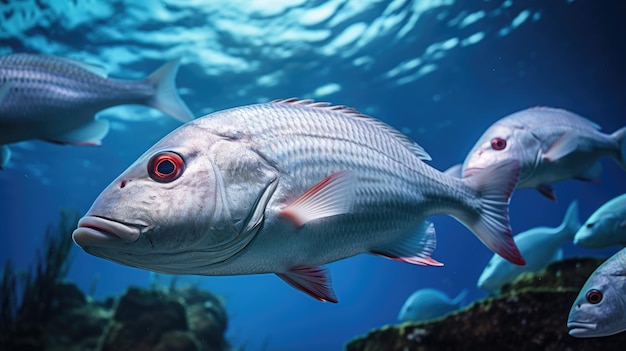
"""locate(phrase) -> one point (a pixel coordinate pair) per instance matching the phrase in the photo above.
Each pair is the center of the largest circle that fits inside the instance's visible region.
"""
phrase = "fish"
(285, 187)
(605, 227)
(551, 145)
(600, 307)
(426, 304)
(55, 98)
(540, 246)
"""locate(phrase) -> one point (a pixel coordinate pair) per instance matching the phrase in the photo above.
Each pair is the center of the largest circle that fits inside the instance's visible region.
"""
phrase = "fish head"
(177, 209)
(600, 307)
(497, 273)
(502, 141)
(598, 231)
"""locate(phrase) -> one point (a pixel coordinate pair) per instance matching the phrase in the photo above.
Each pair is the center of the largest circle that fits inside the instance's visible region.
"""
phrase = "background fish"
(426, 304)
(283, 188)
(550, 144)
(600, 308)
(605, 227)
(539, 246)
(55, 99)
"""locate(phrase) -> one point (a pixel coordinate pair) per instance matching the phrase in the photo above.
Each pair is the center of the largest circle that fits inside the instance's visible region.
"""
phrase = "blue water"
(440, 71)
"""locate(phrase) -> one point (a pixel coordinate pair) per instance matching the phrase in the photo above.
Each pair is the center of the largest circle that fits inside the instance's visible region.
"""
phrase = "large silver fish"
(551, 145)
(55, 99)
(600, 308)
(606, 226)
(283, 188)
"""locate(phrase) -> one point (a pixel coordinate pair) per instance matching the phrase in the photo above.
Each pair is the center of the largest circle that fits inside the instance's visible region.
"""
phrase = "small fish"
(605, 227)
(539, 246)
(600, 308)
(285, 187)
(55, 99)
(550, 144)
(426, 304)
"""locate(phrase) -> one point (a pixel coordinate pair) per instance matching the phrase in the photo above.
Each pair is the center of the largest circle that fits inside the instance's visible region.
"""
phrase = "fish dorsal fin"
(352, 113)
(95, 69)
(563, 111)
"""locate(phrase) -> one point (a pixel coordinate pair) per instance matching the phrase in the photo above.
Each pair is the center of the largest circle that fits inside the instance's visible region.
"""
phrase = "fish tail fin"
(460, 299)
(490, 222)
(620, 136)
(166, 98)
(571, 223)
(5, 156)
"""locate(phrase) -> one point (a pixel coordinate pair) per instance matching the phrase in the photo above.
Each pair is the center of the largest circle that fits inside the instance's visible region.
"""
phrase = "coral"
(530, 314)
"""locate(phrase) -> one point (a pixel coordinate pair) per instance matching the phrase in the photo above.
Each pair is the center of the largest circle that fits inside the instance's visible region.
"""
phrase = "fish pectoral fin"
(414, 249)
(592, 174)
(547, 191)
(88, 134)
(455, 171)
(332, 196)
(314, 281)
(564, 146)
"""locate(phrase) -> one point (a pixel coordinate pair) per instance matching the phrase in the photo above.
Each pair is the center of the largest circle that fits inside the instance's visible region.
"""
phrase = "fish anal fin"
(414, 249)
(592, 174)
(564, 146)
(332, 196)
(88, 134)
(313, 281)
(547, 191)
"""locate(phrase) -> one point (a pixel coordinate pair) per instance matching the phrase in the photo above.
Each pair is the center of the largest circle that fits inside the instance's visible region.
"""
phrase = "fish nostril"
(123, 184)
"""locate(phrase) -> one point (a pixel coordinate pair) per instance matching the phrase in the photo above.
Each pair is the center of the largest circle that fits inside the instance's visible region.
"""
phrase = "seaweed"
(41, 288)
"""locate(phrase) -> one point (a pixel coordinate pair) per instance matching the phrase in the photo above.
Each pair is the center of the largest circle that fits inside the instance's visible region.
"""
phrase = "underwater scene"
(370, 175)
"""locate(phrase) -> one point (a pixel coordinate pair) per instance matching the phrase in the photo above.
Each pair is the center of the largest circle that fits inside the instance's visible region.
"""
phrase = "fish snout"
(94, 230)
(471, 171)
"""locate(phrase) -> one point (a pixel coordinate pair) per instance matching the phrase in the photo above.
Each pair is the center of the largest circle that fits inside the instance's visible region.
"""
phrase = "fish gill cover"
(440, 71)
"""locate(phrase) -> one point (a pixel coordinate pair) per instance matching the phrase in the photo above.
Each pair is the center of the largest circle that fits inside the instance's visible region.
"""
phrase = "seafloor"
(529, 314)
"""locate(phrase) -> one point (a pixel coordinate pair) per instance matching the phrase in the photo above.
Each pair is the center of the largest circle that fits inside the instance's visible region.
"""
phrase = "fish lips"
(100, 231)
(471, 171)
(581, 329)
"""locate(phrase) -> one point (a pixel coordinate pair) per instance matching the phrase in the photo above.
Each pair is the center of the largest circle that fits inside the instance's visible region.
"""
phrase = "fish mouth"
(106, 232)
(580, 329)
(471, 171)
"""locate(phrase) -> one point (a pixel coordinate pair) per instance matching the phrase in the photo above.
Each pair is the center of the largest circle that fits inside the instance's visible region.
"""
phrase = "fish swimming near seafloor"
(426, 304)
(605, 227)
(600, 307)
(285, 187)
(55, 99)
(551, 145)
(539, 246)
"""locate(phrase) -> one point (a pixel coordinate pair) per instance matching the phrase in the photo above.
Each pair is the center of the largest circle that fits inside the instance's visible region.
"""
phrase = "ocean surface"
(441, 71)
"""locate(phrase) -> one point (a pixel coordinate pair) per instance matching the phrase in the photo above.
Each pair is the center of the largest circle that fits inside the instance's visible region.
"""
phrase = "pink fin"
(495, 185)
(314, 281)
(564, 146)
(546, 191)
(414, 249)
(332, 196)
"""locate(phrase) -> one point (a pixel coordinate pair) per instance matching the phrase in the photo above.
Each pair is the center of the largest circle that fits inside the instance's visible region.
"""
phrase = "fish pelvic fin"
(620, 136)
(333, 195)
(166, 98)
(495, 185)
(414, 249)
(547, 191)
(313, 281)
(91, 133)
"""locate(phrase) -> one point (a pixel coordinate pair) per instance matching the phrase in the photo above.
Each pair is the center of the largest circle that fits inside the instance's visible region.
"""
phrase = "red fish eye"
(498, 143)
(165, 167)
(594, 296)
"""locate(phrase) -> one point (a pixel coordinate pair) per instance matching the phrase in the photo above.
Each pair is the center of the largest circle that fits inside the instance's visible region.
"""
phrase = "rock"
(530, 315)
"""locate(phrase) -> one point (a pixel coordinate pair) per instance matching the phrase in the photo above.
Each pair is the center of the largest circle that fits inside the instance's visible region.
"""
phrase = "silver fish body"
(550, 144)
(600, 308)
(426, 304)
(284, 187)
(605, 227)
(56, 99)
